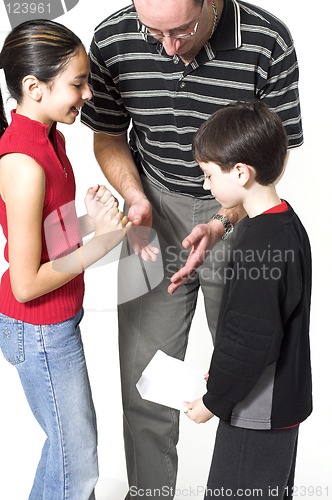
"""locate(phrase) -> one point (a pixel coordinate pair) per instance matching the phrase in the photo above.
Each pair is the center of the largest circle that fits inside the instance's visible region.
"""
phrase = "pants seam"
(56, 411)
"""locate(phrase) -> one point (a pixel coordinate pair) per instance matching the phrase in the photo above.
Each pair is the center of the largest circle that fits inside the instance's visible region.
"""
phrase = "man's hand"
(140, 215)
(140, 212)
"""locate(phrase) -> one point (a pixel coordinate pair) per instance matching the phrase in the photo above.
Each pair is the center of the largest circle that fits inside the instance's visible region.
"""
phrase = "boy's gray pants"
(158, 320)
(253, 463)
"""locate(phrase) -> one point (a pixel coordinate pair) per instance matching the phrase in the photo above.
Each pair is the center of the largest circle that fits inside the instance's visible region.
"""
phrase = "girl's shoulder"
(17, 169)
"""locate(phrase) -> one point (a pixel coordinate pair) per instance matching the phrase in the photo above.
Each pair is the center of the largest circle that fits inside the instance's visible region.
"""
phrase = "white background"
(306, 185)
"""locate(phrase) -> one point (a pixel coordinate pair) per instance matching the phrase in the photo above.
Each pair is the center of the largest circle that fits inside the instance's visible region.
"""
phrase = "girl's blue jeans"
(51, 365)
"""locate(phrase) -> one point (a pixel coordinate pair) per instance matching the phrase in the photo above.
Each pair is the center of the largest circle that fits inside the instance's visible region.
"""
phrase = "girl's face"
(66, 94)
(222, 184)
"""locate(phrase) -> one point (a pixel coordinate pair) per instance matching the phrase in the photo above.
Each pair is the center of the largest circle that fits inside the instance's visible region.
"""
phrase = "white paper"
(170, 381)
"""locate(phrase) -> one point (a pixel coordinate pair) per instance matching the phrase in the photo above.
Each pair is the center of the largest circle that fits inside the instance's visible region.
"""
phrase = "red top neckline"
(281, 207)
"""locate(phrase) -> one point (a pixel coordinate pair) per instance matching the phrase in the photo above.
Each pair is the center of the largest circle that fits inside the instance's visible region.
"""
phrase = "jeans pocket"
(11, 339)
(78, 318)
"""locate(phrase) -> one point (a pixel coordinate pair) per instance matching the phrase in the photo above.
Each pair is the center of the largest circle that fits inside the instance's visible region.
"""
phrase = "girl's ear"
(32, 87)
(243, 173)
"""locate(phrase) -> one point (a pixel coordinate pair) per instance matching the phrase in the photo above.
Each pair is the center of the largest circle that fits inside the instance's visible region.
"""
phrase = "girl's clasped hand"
(102, 208)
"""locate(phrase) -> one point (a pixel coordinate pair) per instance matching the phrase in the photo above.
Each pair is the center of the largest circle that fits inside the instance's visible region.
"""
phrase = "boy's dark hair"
(244, 132)
(40, 48)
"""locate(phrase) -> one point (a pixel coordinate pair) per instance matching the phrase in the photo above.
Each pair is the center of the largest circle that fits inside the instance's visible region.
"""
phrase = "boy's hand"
(197, 411)
(201, 239)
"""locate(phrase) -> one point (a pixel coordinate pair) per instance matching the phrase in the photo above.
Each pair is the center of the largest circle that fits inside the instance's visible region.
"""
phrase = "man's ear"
(32, 87)
(244, 173)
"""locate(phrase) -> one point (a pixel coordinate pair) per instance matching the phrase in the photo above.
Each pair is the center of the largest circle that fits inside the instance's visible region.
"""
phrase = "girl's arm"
(22, 187)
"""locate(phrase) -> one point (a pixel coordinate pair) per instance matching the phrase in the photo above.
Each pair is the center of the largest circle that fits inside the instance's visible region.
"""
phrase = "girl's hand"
(96, 198)
(111, 225)
(108, 220)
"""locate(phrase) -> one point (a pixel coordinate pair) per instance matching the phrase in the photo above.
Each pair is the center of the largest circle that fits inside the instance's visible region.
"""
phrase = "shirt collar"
(32, 129)
(228, 32)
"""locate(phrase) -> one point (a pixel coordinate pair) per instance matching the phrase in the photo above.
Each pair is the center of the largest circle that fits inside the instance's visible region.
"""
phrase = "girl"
(46, 69)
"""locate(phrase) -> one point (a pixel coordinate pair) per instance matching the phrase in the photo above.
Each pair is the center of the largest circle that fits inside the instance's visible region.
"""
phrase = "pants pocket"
(11, 339)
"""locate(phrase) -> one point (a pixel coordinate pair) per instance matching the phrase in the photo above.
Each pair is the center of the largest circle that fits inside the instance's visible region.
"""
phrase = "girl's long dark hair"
(3, 119)
(40, 48)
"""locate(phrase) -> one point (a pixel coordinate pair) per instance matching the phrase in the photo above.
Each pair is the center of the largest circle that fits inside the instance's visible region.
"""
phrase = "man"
(163, 67)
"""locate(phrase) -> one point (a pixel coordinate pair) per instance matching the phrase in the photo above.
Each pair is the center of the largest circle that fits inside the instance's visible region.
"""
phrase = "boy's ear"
(32, 87)
(243, 173)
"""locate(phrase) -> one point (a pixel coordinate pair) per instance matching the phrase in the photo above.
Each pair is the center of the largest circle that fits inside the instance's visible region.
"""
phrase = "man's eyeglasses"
(158, 35)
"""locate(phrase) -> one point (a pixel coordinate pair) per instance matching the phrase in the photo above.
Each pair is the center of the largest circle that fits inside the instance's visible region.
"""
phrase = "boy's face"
(223, 185)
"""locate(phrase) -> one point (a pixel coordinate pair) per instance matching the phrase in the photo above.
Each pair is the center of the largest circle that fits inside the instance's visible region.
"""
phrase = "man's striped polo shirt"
(137, 86)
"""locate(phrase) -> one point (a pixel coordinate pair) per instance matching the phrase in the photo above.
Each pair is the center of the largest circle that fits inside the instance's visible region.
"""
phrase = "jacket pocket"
(11, 339)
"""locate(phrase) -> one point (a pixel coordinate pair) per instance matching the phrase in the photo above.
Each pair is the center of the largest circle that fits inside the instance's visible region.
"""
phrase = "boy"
(259, 382)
